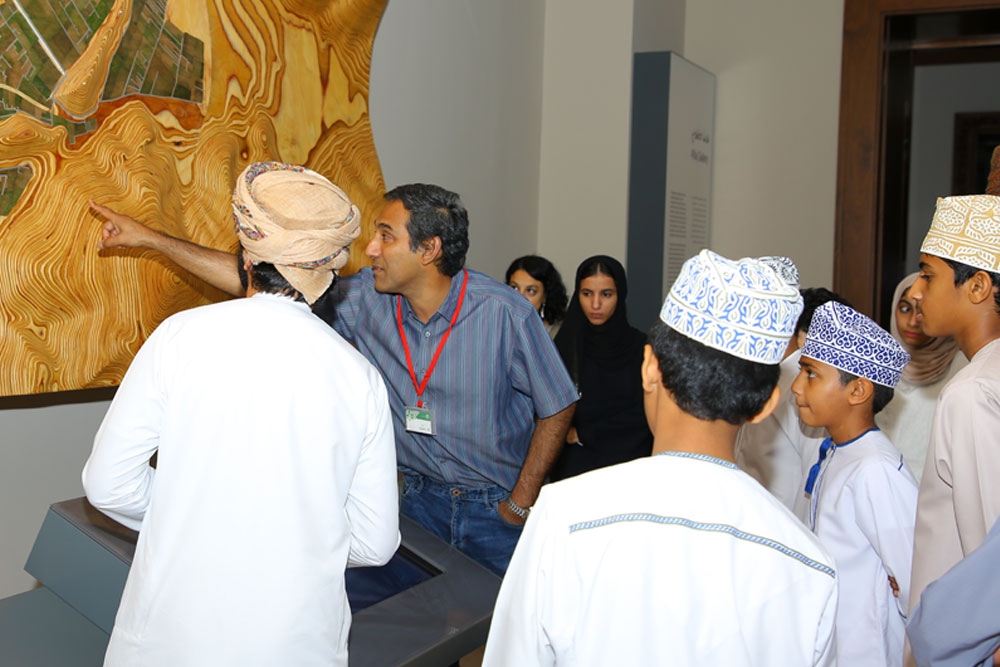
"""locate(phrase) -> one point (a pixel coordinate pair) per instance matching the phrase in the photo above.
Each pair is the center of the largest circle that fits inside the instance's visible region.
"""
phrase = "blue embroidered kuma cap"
(740, 307)
(846, 339)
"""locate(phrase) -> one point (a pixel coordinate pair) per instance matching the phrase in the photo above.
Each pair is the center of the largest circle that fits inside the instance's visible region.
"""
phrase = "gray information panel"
(83, 557)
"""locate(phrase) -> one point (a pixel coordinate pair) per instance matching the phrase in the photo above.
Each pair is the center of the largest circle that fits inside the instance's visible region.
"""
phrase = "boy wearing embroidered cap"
(679, 558)
(959, 294)
(863, 497)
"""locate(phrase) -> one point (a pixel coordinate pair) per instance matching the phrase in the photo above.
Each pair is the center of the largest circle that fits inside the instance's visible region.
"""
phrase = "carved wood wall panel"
(153, 107)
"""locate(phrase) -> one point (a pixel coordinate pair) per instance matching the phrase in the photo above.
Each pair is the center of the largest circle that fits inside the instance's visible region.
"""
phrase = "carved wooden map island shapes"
(153, 107)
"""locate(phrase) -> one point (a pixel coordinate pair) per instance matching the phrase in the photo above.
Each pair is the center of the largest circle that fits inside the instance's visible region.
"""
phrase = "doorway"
(894, 50)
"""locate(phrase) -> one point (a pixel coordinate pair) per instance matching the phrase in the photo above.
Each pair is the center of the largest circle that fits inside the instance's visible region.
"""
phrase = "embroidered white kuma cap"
(966, 229)
(844, 338)
(784, 267)
(741, 307)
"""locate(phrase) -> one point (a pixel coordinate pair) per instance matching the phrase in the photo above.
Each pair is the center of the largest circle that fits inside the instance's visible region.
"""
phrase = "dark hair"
(963, 272)
(881, 396)
(265, 277)
(711, 384)
(593, 266)
(544, 272)
(813, 298)
(435, 211)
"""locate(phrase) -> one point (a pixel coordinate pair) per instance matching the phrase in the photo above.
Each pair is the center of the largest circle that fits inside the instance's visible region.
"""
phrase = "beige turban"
(297, 220)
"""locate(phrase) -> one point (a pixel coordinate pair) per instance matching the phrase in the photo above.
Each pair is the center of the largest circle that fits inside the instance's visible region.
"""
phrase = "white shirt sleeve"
(522, 618)
(825, 644)
(959, 500)
(885, 505)
(117, 477)
(373, 499)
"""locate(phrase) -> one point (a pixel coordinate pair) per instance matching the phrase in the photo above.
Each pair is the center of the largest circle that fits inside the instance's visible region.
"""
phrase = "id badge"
(419, 420)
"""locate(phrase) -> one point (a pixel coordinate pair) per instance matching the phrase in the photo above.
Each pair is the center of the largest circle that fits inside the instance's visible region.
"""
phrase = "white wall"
(455, 99)
(583, 200)
(777, 64)
(44, 442)
(658, 25)
(939, 92)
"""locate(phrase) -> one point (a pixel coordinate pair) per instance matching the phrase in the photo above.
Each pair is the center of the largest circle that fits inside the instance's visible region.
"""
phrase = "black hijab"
(610, 344)
(604, 361)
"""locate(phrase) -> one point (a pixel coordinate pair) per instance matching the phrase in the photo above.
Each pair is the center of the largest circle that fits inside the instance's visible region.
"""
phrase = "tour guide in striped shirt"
(467, 362)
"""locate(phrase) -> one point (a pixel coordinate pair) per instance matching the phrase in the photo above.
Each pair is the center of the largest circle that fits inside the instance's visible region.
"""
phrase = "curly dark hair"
(435, 211)
(544, 272)
(710, 384)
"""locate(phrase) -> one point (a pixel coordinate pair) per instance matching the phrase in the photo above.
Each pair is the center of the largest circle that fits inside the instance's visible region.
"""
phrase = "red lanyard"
(406, 346)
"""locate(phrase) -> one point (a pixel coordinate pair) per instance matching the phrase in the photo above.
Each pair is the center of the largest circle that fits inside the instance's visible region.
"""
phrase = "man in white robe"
(680, 558)
(959, 294)
(276, 461)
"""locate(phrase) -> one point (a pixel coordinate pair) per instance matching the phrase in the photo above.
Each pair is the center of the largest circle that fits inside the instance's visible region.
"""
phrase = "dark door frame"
(858, 242)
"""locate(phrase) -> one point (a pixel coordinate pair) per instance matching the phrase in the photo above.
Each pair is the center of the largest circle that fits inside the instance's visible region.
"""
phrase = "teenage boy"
(863, 497)
(959, 296)
(679, 558)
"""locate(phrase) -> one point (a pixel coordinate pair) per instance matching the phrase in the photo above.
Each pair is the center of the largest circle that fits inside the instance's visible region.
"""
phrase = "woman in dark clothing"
(603, 354)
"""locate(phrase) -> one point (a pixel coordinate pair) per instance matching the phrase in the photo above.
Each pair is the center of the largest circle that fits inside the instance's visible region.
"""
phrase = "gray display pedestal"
(82, 559)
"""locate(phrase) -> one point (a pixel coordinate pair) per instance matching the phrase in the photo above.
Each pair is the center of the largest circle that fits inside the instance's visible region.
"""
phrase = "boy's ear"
(768, 408)
(430, 250)
(859, 391)
(980, 287)
(652, 377)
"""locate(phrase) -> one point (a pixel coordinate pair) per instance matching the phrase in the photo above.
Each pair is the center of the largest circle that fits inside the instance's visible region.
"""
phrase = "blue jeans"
(467, 518)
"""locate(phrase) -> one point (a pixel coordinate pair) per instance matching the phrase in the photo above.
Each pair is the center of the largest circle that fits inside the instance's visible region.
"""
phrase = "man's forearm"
(215, 267)
(546, 443)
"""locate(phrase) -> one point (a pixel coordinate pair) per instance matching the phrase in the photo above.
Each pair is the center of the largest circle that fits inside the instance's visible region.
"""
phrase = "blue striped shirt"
(497, 370)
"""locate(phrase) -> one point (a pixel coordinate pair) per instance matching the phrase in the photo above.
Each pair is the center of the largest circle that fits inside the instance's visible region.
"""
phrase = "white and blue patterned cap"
(846, 339)
(740, 307)
(784, 267)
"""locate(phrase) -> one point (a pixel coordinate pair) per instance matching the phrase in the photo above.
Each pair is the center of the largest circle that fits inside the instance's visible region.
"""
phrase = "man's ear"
(769, 406)
(430, 250)
(652, 377)
(980, 287)
(860, 390)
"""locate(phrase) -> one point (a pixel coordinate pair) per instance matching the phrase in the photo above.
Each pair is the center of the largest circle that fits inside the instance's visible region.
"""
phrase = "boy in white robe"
(679, 558)
(863, 497)
(959, 293)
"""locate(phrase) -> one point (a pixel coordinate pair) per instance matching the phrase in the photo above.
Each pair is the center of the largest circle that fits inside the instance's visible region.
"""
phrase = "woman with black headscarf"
(603, 354)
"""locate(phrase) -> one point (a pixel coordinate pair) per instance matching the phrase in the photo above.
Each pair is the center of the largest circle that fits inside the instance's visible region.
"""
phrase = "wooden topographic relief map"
(153, 107)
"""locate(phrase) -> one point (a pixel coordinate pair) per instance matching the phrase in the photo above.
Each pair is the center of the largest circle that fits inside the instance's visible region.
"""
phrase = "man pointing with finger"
(467, 362)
